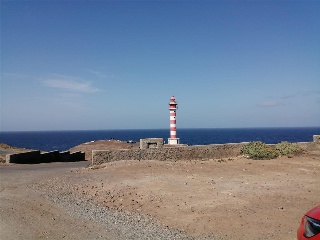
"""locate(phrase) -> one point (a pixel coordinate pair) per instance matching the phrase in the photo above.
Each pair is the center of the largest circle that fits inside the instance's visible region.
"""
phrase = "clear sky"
(73, 65)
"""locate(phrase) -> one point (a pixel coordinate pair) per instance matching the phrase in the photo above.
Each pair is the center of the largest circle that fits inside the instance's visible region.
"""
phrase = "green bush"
(286, 148)
(259, 150)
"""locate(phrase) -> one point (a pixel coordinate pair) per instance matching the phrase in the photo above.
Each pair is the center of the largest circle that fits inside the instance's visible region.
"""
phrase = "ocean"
(64, 140)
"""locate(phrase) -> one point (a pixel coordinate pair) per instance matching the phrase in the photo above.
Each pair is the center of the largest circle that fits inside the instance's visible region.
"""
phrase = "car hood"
(314, 213)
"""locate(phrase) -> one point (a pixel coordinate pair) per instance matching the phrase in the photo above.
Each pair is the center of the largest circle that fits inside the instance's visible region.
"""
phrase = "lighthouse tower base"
(173, 141)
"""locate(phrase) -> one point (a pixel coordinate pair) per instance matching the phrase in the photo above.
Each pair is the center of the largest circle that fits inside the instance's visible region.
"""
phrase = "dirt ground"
(234, 198)
(6, 149)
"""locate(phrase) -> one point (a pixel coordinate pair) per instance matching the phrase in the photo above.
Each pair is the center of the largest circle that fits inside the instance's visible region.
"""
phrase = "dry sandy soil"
(103, 145)
(233, 198)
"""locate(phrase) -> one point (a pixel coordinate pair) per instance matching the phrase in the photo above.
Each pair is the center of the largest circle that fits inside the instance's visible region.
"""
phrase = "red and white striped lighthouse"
(173, 130)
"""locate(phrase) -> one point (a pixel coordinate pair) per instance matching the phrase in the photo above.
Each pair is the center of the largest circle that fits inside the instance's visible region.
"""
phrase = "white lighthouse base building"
(173, 141)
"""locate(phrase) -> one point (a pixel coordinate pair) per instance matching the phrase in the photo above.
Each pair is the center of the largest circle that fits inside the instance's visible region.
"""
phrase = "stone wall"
(203, 152)
(33, 157)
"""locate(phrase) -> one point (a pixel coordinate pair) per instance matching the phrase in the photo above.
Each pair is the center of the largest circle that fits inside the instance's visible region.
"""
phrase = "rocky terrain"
(234, 198)
(6, 149)
(103, 145)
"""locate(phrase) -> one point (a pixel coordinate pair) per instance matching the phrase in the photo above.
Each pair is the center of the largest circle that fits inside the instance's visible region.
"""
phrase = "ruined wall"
(203, 152)
(151, 143)
(33, 157)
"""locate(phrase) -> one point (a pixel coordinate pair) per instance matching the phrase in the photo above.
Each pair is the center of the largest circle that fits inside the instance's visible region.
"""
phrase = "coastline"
(64, 140)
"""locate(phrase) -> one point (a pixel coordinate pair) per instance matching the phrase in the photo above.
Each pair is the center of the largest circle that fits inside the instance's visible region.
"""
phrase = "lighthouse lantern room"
(173, 106)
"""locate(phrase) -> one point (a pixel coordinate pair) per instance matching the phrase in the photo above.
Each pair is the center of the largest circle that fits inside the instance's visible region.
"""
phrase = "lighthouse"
(173, 131)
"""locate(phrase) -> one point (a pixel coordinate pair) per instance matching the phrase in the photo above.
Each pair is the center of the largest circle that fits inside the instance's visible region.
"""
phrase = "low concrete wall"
(75, 157)
(26, 157)
(47, 157)
(203, 152)
(64, 156)
(33, 157)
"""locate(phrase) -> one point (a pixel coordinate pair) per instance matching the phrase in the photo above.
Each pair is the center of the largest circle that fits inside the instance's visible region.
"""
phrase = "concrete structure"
(316, 138)
(151, 143)
(173, 106)
(33, 157)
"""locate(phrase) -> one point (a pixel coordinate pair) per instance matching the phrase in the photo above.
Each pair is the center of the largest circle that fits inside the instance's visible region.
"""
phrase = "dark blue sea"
(64, 140)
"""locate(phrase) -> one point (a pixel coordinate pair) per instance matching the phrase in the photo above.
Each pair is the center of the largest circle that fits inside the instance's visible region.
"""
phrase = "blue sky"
(69, 65)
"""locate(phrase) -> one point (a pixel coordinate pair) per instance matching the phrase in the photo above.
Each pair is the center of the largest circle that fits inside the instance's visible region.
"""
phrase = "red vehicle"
(309, 228)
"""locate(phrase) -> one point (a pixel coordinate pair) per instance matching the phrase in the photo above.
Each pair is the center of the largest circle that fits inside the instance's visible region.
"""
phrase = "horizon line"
(141, 129)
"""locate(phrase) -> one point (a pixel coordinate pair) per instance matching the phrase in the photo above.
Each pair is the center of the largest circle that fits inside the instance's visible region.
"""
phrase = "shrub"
(286, 148)
(259, 150)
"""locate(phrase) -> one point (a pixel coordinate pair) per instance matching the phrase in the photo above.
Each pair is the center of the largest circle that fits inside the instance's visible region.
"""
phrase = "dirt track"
(227, 198)
(25, 215)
